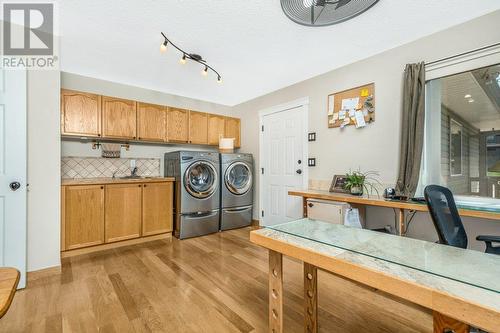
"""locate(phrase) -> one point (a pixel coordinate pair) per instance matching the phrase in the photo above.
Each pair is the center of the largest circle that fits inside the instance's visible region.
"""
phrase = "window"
(455, 148)
(462, 133)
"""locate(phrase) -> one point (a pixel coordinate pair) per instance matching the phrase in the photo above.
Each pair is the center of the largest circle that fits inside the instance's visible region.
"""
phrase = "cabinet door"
(177, 125)
(118, 118)
(151, 122)
(232, 130)
(83, 216)
(123, 212)
(198, 128)
(215, 128)
(80, 113)
(157, 208)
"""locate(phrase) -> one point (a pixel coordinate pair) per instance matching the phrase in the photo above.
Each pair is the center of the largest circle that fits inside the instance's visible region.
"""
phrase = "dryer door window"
(200, 179)
(238, 178)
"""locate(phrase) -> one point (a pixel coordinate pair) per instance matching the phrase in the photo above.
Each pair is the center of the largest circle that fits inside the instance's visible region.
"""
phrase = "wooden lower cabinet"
(83, 216)
(123, 212)
(157, 215)
(93, 215)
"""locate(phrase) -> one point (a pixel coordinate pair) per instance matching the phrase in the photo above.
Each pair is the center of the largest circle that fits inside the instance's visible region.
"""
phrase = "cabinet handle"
(139, 138)
(144, 185)
(102, 187)
(140, 185)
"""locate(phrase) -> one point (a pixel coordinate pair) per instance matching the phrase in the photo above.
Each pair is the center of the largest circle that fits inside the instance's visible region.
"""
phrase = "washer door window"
(238, 178)
(200, 179)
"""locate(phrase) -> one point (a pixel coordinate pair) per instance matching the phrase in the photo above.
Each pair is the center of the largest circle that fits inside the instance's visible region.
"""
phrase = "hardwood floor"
(217, 283)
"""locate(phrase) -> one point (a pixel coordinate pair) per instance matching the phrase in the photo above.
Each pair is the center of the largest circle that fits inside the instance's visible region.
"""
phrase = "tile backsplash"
(98, 167)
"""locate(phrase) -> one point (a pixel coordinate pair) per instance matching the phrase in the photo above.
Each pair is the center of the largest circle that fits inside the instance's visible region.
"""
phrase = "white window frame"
(479, 58)
(461, 148)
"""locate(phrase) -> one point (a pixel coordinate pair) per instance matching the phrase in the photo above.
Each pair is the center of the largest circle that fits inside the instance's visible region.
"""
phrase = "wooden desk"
(455, 304)
(401, 206)
(9, 278)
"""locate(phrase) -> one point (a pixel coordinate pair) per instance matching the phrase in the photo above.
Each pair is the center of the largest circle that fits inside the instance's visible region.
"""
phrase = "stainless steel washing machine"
(197, 192)
(236, 190)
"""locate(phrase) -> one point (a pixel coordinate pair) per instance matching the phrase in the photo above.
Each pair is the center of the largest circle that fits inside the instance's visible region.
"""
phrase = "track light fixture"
(191, 56)
(163, 46)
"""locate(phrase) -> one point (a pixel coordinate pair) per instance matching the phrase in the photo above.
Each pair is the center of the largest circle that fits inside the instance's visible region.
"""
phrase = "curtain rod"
(461, 54)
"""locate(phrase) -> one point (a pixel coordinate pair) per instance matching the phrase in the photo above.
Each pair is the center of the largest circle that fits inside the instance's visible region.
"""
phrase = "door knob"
(14, 186)
(299, 171)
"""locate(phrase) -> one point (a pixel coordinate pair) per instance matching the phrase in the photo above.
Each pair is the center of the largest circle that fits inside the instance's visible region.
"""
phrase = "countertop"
(374, 200)
(100, 181)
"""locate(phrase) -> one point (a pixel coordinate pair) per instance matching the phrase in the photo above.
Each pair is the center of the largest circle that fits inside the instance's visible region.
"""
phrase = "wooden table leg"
(304, 206)
(275, 292)
(444, 324)
(310, 298)
(402, 226)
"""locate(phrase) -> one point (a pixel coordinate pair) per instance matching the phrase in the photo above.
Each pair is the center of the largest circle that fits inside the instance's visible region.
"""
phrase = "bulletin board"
(355, 106)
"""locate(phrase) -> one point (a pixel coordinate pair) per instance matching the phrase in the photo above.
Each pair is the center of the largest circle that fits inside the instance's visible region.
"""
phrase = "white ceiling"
(251, 43)
(454, 88)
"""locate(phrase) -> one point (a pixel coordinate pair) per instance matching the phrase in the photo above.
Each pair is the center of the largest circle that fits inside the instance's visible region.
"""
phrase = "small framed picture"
(338, 184)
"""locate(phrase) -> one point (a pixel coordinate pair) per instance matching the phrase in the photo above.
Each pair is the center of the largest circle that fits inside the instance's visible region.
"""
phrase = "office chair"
(447, 221)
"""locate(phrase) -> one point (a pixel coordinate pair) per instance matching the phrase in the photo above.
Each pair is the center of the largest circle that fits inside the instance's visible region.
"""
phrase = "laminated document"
(360, 119)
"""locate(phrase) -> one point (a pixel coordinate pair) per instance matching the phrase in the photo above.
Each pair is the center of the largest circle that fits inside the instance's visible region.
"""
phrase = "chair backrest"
(445, 216)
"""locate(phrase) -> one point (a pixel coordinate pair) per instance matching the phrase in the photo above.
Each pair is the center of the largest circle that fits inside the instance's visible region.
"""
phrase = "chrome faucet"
(114, 173)
(133, 173)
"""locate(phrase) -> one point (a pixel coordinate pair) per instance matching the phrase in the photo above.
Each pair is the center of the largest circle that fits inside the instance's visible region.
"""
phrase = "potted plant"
(358, 182)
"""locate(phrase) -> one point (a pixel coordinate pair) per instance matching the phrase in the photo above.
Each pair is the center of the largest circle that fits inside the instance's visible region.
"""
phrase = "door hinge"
(262, 213)
(262, 170)
(262, 129)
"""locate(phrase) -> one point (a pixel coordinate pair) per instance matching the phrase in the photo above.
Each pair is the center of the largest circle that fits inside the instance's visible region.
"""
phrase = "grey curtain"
(412, 130)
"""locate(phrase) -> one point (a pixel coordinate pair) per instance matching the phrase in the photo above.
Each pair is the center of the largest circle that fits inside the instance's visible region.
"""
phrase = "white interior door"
(284, 163)
(13, 171)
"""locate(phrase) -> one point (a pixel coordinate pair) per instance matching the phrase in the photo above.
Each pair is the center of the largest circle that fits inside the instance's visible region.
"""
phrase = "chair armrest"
(484, 238)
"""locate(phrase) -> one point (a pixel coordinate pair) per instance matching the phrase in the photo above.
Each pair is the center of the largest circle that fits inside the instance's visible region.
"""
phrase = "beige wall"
(375, 147)
(102, 87)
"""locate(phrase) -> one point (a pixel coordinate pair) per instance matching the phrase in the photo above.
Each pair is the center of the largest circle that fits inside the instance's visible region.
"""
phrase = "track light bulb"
(183, 60)
(219, 79)
(163, 46)
(205, 71)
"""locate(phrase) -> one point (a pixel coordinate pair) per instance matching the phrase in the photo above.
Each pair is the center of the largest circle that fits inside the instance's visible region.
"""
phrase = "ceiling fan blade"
(342, 3)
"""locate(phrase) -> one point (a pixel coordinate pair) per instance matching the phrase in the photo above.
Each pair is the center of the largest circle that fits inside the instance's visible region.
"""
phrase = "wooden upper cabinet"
(157, 208)
(83, 217)
(119, 118)
(80, 113)
(177, 125)
(215, 128)
(151, 122)
(232, 130)
(198, 128)
(123, 214)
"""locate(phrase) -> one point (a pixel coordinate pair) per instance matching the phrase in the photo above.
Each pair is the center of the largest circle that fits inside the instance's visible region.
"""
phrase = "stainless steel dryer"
(197, 192)
(236, 190)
